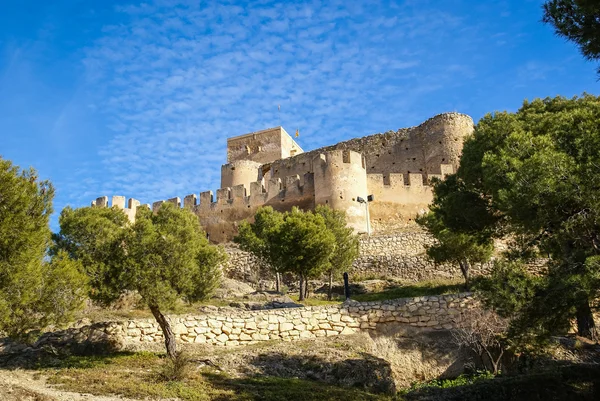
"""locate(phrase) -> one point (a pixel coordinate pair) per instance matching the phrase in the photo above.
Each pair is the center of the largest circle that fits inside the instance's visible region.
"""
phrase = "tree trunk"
(301, 297)
(585, 321)
(306, 288)
(465, 269)
(277, 282)
(167, 332)
(330, 291)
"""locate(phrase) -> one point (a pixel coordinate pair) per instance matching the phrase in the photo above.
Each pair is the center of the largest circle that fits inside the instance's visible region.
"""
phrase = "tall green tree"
(163, 256)
(257, 237)
(460, 224)
(34, 292)
(577, 21)
(346, 243)
(538, 173)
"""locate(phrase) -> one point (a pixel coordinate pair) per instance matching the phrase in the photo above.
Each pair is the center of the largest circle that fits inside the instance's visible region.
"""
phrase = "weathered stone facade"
(227, 328)
(269, 168)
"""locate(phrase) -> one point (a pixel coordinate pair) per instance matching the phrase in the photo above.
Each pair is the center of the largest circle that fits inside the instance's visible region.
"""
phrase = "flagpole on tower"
(279, 113)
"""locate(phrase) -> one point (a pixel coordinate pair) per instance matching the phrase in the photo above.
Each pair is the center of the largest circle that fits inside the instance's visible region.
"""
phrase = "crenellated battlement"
(406, 181)
(258, 195)
(119, 202)
(268, 168)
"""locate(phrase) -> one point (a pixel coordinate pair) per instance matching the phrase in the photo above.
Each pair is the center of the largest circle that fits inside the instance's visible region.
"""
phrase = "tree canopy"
(163, 256)
(257, 237)
(458, 221)
(577, 21)
(34, 292)
(536, 176)
(345, 246)
(306, 244)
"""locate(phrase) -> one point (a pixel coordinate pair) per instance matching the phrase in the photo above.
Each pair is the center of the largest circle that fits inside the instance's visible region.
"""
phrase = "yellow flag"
(297, 133)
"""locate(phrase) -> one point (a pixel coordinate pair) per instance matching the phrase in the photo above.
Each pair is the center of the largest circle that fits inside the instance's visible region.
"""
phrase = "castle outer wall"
(396, 167)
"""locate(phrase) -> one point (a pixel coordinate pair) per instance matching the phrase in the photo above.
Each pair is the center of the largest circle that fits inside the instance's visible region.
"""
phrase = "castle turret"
(240, 172)
(340, 179)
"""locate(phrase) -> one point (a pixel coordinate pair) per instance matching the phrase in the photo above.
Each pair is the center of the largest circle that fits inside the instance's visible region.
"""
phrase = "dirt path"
(19, 385)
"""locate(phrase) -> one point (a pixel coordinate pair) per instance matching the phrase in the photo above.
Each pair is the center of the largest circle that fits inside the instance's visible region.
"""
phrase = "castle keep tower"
(262, 147)
(247, 153)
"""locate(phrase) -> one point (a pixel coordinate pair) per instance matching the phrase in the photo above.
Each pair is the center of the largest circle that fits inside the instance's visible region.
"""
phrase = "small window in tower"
(293, 152)
(232, 168)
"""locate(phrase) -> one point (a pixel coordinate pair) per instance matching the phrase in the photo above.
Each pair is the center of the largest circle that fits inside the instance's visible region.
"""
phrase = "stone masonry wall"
(399, 255)
(403, 256)
(226, 328)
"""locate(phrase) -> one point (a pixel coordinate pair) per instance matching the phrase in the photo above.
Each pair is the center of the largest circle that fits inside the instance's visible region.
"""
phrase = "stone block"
(285, 327)
(215, 323)
(325, 326)
(347, 319)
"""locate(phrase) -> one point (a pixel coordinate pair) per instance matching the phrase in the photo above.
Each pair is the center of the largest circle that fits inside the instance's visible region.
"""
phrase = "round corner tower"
(239, 172)
(442, 139)
(340, 178)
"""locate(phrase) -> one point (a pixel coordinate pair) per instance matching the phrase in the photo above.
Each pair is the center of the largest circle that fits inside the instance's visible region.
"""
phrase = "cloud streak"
(177, 78)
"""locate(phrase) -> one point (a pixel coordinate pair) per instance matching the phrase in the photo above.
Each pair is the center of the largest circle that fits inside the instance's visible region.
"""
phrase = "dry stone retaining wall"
(399, 255)
(225, 328)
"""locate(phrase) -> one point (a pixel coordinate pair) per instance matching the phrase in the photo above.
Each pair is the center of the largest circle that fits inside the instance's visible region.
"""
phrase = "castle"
(268, 167)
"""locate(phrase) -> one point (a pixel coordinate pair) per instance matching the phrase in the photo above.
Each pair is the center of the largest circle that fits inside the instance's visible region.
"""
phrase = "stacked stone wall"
(227, 328)
(400, 255)
(403, 256)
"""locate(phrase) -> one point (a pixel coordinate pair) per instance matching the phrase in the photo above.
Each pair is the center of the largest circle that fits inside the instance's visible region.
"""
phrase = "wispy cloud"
(178, 78)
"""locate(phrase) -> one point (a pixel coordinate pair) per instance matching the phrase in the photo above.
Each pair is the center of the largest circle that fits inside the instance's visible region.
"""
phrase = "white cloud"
(179, 78)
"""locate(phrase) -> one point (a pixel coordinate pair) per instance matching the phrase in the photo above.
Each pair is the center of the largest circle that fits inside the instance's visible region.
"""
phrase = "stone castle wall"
(227, 328)
(396, 167)
(416, 150)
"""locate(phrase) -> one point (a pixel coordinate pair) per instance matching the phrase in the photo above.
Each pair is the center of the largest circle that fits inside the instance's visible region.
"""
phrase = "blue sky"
(137, 98)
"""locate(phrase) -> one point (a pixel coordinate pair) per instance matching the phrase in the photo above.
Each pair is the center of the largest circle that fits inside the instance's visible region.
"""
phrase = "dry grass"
(410, 362)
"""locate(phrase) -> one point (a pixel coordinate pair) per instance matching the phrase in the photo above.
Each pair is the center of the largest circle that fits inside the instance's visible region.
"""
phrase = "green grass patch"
(315, 300)
(424, 288)
(462, 380)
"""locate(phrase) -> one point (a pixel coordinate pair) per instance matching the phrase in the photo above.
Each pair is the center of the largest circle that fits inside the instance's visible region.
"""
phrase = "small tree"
(256, 238)
(346, 243)
(482, 331)
(34, 292)
(304, 245)
(455, 222)
(162, 256)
